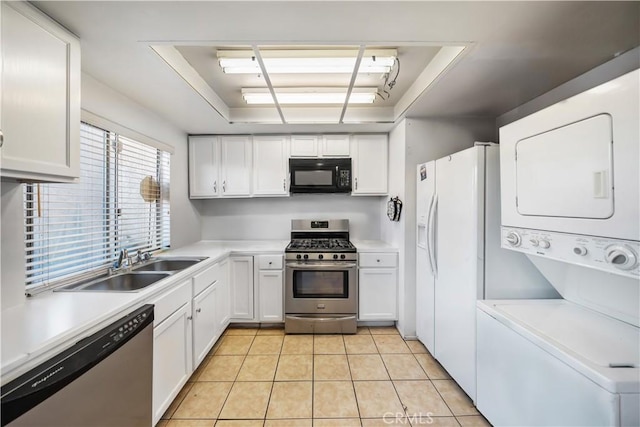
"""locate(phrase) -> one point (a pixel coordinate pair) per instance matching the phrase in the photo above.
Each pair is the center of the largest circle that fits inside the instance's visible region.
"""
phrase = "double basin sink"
(139, 277)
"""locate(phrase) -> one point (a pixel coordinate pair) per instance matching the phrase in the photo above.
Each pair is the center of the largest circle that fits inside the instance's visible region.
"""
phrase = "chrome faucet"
(122, 256)
(126, 260)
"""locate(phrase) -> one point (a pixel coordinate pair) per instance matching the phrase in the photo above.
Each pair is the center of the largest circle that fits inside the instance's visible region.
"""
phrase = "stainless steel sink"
(169, 264)
(126, 282)
(138, 278)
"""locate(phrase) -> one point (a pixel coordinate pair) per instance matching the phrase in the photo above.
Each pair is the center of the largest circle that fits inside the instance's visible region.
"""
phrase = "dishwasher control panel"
(129, 326)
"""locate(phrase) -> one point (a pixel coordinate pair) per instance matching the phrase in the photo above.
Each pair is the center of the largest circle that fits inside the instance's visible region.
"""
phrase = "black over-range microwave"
(320, 175)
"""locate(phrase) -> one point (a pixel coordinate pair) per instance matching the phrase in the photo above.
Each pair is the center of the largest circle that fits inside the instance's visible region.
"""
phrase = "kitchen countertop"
(49, 322)
(373, 246)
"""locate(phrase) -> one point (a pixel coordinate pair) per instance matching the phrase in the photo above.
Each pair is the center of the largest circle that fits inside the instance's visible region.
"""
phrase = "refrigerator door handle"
(428, 231)
(431, 243)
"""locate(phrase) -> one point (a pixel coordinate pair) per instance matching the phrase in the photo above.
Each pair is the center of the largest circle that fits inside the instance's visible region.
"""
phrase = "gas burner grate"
(320, 244)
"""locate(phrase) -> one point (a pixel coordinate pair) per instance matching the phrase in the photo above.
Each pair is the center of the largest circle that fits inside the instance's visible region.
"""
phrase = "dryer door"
(567, 172)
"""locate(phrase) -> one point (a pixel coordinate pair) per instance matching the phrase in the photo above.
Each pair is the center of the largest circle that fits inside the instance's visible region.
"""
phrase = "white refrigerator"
(459, 259)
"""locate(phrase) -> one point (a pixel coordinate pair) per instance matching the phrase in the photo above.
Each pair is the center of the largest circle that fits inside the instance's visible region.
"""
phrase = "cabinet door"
(204, 166)
(40, 96)
(205, 325)
(378, 294)
(335, 146)
(270, 288)
(236, 165)
(223, 298)
(304, 146)
(241, 280)
(370, 164)
(172, 362)
(270, 166)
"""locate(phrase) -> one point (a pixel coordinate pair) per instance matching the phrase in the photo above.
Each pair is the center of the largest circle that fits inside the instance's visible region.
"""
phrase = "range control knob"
(335, 256)
(513, 238)
(305, 256)
(580, 250)
(342, 256)
(545, 244)
(320, 256)
(621, 257)
(534, 242)
(298, 256)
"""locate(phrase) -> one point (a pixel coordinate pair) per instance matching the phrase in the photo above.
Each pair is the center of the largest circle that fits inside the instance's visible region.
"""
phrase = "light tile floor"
(262, 377)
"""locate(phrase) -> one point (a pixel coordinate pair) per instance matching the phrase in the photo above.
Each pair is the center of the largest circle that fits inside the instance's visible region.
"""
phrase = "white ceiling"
(518, 50)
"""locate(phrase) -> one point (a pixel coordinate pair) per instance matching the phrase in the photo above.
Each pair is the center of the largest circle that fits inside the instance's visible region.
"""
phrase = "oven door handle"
(322, 319)
(321, 266)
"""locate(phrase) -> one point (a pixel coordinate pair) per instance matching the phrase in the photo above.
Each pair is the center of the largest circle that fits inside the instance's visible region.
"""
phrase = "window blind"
(120, 202)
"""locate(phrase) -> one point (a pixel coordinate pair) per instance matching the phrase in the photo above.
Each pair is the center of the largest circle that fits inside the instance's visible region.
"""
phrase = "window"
(120, 202)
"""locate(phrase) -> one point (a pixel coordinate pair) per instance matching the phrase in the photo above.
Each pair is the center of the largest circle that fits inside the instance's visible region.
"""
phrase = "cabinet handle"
(198, 310)
(377, 260)
(189, 317)
(224, 186)
(356, 181)
(284, 184)
(1, 139)
(270, 262)
(215, 186)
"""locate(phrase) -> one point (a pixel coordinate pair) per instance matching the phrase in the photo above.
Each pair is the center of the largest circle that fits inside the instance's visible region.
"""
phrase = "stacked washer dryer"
(570, 196)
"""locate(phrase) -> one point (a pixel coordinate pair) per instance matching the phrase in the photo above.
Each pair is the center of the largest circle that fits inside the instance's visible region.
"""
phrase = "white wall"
(617, 67)
(412, 142)
(103, 101)
(12, 258)
(270, 218)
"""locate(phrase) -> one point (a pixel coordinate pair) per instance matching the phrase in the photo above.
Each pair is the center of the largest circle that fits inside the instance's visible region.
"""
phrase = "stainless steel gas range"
(321, 278)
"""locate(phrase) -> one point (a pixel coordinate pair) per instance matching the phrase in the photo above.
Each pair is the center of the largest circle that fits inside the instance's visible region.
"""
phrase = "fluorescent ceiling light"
(309, 96)
(307, 61)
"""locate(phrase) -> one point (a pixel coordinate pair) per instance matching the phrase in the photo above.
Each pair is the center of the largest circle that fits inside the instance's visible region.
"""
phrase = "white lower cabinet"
(241, 279)
(172, 361)
(270, 285)
(378, 287)
(206, 329)
(223, 297)
(269, 288)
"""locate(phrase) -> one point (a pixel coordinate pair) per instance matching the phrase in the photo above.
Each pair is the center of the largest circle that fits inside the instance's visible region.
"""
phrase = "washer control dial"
(513, 238)
(580, 250)
(621, 257)
(534, 242)
(544, 244)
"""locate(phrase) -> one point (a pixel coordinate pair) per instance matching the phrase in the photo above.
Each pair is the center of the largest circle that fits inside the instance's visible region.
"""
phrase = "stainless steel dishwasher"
(103, 380)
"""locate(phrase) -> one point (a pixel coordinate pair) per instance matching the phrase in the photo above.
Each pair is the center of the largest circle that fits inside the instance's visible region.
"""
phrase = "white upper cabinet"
(204, 166)
(304, 146)
(370, 164)
(335, 146)
(270, 165)
(40, 97)
(320, 146)
(219, 166)
(235, 165)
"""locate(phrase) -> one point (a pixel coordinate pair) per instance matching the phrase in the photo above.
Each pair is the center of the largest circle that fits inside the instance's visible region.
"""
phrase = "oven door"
(321, 288)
